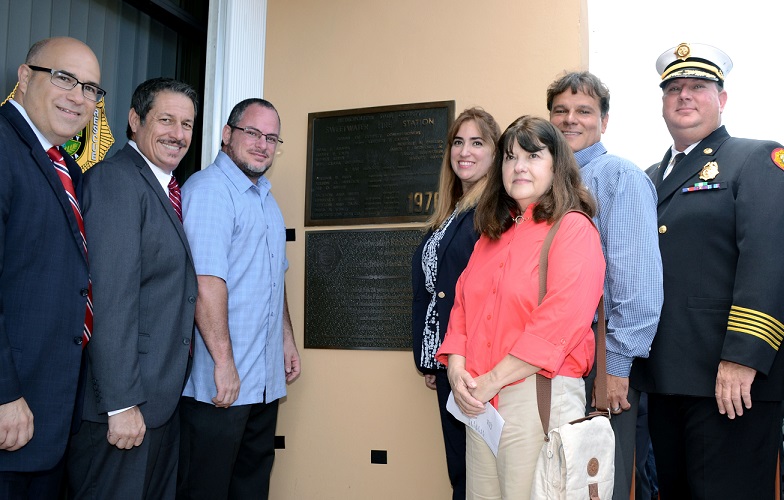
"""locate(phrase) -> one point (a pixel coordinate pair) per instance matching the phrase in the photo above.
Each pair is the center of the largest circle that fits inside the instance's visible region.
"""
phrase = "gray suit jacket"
(144, 292)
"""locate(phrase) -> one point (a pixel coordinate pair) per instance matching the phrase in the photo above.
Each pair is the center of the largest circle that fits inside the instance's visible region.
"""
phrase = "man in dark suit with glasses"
(45, 318)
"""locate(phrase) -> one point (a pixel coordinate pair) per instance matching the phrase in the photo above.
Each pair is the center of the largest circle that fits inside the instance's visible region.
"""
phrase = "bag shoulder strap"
(544, 384)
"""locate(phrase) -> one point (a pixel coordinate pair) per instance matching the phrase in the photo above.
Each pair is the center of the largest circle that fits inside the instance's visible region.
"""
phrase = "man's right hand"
(227, 381)
(126, 429)
(16, 425)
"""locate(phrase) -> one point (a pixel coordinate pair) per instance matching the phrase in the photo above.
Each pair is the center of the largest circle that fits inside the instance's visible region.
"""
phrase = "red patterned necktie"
(174, 196)
(65, 177)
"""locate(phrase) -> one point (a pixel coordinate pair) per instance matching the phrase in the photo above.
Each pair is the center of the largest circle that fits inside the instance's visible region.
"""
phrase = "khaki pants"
(510, 475)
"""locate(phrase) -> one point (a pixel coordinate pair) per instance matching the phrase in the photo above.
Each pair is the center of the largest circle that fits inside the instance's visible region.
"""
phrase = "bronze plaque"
(375, 165)
(358, 288)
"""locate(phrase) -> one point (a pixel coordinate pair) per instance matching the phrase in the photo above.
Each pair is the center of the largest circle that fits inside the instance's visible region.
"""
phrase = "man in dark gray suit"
(144, 296)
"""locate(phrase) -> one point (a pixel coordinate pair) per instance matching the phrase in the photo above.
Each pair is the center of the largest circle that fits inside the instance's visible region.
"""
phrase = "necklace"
(520, 219)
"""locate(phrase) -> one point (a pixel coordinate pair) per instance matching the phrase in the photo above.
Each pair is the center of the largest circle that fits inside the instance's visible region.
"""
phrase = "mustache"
(174, 142)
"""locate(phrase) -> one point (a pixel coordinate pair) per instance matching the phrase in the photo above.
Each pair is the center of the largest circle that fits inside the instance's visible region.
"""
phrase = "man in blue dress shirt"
(244, 352)
(579, 105)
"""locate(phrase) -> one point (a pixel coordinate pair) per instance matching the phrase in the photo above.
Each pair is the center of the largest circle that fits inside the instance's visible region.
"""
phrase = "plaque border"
(309, 221)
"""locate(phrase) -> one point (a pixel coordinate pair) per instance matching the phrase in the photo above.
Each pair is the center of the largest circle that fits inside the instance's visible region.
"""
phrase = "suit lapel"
(684, 171)
(690, 166)
(44, 164)
(152, 181)
(450, 233)
(656, 172)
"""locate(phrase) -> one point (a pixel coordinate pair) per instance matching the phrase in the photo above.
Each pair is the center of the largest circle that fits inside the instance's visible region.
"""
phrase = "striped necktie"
(174, 196)
(65, 177)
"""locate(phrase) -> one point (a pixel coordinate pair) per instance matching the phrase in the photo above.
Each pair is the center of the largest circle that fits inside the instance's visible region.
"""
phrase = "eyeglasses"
(65, 81)
(256, 135)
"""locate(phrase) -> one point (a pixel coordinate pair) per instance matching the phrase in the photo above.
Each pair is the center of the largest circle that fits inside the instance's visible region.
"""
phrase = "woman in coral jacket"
(499, 336)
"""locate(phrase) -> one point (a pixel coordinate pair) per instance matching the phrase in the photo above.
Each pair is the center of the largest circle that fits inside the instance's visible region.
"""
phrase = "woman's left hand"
(486, 387)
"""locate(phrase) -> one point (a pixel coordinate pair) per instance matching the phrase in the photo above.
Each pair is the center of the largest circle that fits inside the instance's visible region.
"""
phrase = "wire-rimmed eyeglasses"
(65, 81)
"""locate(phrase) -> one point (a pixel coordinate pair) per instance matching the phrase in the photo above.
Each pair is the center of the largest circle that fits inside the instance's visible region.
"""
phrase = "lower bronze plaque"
(358, 289)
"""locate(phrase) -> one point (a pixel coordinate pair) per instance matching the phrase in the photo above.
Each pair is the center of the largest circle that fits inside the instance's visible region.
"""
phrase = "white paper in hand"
(488, 425)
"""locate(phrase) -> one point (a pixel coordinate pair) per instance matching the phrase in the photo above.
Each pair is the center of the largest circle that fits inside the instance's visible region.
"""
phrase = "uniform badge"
(707, 151)
(682, 51)
(710, 171)
(778, 157)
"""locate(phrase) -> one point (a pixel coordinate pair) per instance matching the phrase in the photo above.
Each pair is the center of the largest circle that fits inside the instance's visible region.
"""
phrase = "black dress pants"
(42, 485)
(701, 454)
(98, 470)
(454, 439)
(226, 453)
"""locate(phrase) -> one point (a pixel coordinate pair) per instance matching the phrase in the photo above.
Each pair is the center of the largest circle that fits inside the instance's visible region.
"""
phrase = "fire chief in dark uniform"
(715, 376)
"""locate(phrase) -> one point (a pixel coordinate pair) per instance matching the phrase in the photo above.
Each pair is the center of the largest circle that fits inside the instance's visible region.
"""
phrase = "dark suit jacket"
(453, 253)
(43, 290)
(144, 292)
(721, 252)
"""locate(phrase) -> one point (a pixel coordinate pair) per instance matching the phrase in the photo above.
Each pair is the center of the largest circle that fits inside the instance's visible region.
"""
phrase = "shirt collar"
(160, 174)
(586, 155)
(238, 177)
(44, 142)
(687, 150)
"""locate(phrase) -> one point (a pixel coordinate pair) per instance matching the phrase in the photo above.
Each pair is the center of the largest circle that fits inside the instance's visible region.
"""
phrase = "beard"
(253, 172)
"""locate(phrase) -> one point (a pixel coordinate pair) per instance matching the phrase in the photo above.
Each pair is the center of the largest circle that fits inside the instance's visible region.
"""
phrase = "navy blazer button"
(186, 341)
(441, 295)
(77, 340)
(191, 299)
(83, 292)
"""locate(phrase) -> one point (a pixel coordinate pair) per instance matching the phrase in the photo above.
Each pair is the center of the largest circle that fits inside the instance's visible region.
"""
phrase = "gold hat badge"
(682, 51)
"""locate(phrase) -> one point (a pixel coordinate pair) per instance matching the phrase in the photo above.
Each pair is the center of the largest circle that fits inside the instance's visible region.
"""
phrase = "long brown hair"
(450, 189)
(496, 209)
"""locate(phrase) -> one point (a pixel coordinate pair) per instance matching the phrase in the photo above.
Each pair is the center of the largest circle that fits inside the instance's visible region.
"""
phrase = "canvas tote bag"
(577, 460)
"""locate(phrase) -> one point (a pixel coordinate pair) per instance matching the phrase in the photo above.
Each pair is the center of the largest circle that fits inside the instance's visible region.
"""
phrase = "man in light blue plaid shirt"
(244, 352)
(579, 105)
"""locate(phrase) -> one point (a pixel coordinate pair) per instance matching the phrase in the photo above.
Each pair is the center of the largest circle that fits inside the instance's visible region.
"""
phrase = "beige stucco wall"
(324, 55)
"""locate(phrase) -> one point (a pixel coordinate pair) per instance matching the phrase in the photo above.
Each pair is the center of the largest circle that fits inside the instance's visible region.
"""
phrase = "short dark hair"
(239, 109)
(496, 209)
(582, 81)
(144, 97)
(36, 49)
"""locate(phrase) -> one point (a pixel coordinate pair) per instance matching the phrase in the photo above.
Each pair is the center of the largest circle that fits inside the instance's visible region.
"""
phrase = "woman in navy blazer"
(442, 256)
